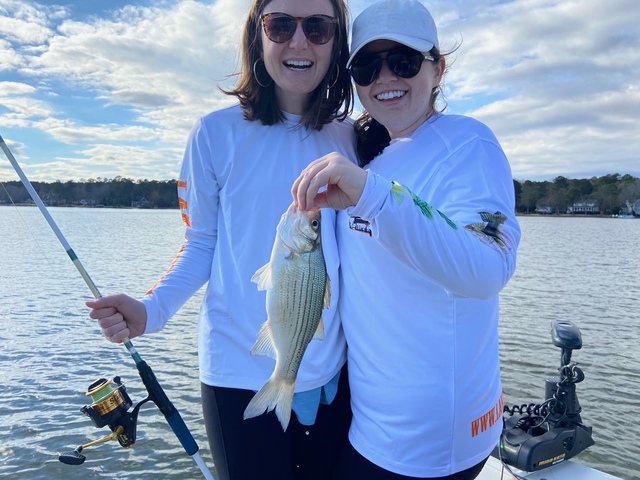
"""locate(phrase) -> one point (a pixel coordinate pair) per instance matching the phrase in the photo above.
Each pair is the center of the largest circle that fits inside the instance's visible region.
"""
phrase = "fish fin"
(319, 335)
(327, 293)
(263, 277)
(276, 393)
(264, 344)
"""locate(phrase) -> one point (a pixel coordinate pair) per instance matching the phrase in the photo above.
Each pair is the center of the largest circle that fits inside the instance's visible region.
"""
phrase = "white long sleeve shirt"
(420, 277)
(234, 185)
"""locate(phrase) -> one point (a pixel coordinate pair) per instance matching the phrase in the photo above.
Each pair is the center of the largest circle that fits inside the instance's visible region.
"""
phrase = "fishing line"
(156, 393)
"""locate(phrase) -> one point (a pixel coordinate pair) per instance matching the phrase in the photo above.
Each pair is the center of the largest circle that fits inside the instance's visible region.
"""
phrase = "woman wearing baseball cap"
(427, 236)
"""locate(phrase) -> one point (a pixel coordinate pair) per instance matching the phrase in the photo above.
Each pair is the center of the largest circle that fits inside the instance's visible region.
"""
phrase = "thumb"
(320, 201)
(103, 302)
(93, 303)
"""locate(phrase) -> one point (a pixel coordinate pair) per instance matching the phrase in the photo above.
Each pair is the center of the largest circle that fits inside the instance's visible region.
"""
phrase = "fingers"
(118, 316)
(98, 313)
(114, 328)
(344, 180)
(318, 176)
(104, 303)
(311, 179)
(325, 171)
(110, 321)
(298, 192)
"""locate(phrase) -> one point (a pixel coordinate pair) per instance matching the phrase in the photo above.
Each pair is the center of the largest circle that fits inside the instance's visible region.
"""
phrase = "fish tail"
(276, 393)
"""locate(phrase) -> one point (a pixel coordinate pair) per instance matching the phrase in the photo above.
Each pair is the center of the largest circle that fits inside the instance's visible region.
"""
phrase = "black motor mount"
(537, 436)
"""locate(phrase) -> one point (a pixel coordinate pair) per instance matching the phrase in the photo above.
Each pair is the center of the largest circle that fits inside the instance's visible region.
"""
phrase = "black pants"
(257, 448)
(353, 466)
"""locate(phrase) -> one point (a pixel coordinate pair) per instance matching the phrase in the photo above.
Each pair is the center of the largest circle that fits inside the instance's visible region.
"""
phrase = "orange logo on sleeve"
(184, 205)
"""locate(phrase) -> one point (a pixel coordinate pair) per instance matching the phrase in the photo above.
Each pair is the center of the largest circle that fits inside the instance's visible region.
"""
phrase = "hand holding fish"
(344, 180)
(119, 316)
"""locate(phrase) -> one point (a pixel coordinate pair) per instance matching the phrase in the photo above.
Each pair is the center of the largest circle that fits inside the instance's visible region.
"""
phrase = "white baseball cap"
(404, 21)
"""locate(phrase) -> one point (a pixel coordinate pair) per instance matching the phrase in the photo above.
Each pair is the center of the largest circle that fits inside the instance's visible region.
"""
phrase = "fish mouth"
(299, 230)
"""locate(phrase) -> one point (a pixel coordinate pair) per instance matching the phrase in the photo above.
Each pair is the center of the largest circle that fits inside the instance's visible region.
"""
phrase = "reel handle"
(112, 436)
(75, 457)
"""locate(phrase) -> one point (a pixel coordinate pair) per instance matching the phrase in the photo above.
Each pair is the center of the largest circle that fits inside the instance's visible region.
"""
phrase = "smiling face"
(400, 104)
(297, 66)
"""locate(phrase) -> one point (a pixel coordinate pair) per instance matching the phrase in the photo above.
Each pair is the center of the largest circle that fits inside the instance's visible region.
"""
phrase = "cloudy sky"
(101, 88)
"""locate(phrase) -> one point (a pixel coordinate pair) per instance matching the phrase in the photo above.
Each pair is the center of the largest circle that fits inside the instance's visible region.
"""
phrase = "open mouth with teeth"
(391, 95)
(298, 65)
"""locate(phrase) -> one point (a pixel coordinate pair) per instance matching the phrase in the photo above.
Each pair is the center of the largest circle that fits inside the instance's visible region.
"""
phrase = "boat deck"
(568, 470)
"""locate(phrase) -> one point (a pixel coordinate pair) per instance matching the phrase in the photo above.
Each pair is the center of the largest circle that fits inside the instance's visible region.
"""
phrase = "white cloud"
(162, 65)
(24, 107)
(27, 22)
(15, 88)
(110, 161)
(9, 58)
(73, 134)
(557, 80)
(178, 53)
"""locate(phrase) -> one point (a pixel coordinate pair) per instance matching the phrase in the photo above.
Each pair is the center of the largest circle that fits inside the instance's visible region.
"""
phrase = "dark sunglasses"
(404, 62)
(280, 27)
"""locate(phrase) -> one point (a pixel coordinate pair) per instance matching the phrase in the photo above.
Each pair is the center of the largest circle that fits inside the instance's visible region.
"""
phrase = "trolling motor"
(538, 436)
(110, 407)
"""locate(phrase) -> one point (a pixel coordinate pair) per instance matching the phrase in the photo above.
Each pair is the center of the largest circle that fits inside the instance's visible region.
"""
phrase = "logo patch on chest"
(360, 225)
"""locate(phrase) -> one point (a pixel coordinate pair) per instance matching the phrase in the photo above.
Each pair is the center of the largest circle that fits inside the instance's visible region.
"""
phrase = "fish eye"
(315, 223)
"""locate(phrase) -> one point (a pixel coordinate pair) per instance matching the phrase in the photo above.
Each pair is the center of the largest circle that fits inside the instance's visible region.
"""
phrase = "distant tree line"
(611, 192)
(118, 192)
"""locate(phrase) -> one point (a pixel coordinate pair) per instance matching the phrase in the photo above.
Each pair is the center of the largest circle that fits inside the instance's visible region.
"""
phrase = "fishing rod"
(110, 400)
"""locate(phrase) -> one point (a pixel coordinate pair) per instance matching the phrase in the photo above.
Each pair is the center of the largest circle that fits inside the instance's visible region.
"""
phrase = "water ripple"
(50, 351)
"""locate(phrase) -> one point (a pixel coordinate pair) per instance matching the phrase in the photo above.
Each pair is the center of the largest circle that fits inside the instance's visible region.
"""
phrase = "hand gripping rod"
(156, 393)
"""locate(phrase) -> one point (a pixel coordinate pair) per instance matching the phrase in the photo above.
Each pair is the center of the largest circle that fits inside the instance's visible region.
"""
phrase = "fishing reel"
(110, 407)
(538, 436)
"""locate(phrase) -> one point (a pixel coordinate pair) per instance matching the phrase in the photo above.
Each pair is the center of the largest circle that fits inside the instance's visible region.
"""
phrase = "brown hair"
(259, 102)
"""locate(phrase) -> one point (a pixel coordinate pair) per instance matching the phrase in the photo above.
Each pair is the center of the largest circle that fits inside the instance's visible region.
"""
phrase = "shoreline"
(119, 207)
(572, 215)
(518, 214)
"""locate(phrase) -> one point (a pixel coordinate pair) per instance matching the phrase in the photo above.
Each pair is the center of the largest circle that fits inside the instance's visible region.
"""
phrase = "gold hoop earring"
(337, 77)
(255, 74)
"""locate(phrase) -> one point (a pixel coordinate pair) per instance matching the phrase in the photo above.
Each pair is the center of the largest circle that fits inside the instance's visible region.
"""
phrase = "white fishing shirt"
(235, 183)
(419, 301)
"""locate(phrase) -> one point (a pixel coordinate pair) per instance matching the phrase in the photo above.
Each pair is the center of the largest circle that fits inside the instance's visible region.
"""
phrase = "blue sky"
(99, 89)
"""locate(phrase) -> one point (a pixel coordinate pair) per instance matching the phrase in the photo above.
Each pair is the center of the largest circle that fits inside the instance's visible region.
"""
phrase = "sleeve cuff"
(375, 193)
(153, 322)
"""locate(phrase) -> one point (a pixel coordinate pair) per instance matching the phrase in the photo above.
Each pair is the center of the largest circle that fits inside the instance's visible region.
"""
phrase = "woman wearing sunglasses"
(294, 90)
(427, 236)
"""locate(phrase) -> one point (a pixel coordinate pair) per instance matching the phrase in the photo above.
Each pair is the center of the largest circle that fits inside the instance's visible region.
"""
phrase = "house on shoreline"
(586, 207)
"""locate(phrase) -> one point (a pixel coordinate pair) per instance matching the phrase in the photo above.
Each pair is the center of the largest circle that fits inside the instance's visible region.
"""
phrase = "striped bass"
(297, 288)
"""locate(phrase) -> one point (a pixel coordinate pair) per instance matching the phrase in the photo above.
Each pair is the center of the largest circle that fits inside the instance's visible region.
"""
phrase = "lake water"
(586, 270)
